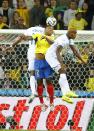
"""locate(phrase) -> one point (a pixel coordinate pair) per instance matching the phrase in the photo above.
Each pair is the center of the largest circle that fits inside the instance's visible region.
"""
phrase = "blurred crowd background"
(22, 14)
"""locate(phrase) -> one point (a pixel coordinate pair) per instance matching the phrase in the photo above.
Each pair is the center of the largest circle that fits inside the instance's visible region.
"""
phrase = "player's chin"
(73, 37)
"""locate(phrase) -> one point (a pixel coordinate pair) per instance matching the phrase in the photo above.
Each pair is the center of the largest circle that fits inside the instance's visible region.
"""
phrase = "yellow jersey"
(25, 14)
(77, 24)
(42, 44)
(2, 25)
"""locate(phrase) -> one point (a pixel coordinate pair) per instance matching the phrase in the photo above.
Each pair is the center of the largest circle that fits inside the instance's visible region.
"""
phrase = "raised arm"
(78, 55)
(18, 40)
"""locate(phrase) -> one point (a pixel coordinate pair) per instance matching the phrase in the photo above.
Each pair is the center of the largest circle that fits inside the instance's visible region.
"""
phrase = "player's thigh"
(31, 64)
(48, 72)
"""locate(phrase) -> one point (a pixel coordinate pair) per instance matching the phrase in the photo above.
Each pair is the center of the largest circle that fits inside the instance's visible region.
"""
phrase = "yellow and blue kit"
(42, 68)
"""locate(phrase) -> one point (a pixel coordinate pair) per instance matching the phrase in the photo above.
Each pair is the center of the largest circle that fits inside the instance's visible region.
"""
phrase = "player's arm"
(18, 40)
(50, 41)
(58, 51)
(78, 55)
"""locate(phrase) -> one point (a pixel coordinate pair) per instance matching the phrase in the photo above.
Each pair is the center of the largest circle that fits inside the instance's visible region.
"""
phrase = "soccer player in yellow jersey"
(42, 68)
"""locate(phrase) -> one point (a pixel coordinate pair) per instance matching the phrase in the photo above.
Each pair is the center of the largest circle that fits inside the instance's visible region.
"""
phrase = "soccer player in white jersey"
(54, 59)
(31, 57)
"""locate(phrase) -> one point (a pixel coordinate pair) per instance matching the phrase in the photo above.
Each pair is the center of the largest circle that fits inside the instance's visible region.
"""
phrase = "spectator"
(20, 24)
(15, 18)
(2, 24)
(45, 3)
(86, 15)
(78, 22)
(80, 3)
(37, 15)
(70, 13)
(91, 10)
(29, 3)
(60, 24)
(49, 11)
(23, 11)
(64, 3)
(10, 3)
(6, 11)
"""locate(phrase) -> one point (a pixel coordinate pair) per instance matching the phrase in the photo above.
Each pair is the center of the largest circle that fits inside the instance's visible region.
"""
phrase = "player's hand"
(23, 37)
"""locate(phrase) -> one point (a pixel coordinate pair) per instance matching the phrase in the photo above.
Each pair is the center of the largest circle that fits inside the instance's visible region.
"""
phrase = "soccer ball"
(51, 21)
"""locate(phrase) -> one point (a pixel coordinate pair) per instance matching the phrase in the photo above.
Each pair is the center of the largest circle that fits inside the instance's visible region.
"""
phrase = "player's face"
(72, 34)
(49, 30)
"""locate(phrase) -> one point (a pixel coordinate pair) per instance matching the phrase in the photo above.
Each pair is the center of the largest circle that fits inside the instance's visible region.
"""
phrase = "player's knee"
(62, 71)
(39, 82)
(48, 81)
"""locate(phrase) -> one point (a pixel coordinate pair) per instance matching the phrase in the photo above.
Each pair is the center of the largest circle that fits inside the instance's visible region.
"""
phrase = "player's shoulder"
(36, 29)
(61, 37)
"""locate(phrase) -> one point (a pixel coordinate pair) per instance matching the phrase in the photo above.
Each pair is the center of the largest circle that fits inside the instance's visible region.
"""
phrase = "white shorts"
(53, 62)
(31, 57)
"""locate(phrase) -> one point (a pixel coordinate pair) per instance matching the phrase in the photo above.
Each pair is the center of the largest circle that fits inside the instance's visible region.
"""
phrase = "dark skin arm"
(18, 40)
(75, 51)
(48, 39)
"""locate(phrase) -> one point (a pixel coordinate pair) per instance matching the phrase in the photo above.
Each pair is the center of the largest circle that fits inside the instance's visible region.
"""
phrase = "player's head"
(78, 14)
(49, 30)
(72, 33)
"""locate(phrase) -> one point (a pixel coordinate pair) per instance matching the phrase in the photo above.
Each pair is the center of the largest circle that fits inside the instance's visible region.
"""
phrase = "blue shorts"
(42, 69)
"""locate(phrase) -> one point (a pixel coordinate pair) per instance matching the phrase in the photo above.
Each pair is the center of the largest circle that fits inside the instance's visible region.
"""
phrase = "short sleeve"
(29, 32)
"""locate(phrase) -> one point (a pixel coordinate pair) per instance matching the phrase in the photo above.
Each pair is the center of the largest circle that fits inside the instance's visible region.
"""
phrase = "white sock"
(63, 82)
(33, 84)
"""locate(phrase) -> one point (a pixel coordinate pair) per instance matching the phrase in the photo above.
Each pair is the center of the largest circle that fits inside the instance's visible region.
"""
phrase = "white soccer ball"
(51, 21)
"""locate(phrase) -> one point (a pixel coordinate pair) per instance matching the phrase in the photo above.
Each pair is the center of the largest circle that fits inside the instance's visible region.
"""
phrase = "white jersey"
(51, 56)
(33, 30)
(62, 41)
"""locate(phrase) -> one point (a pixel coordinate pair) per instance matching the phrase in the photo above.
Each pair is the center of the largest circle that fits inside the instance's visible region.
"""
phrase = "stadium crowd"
(22, 14)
